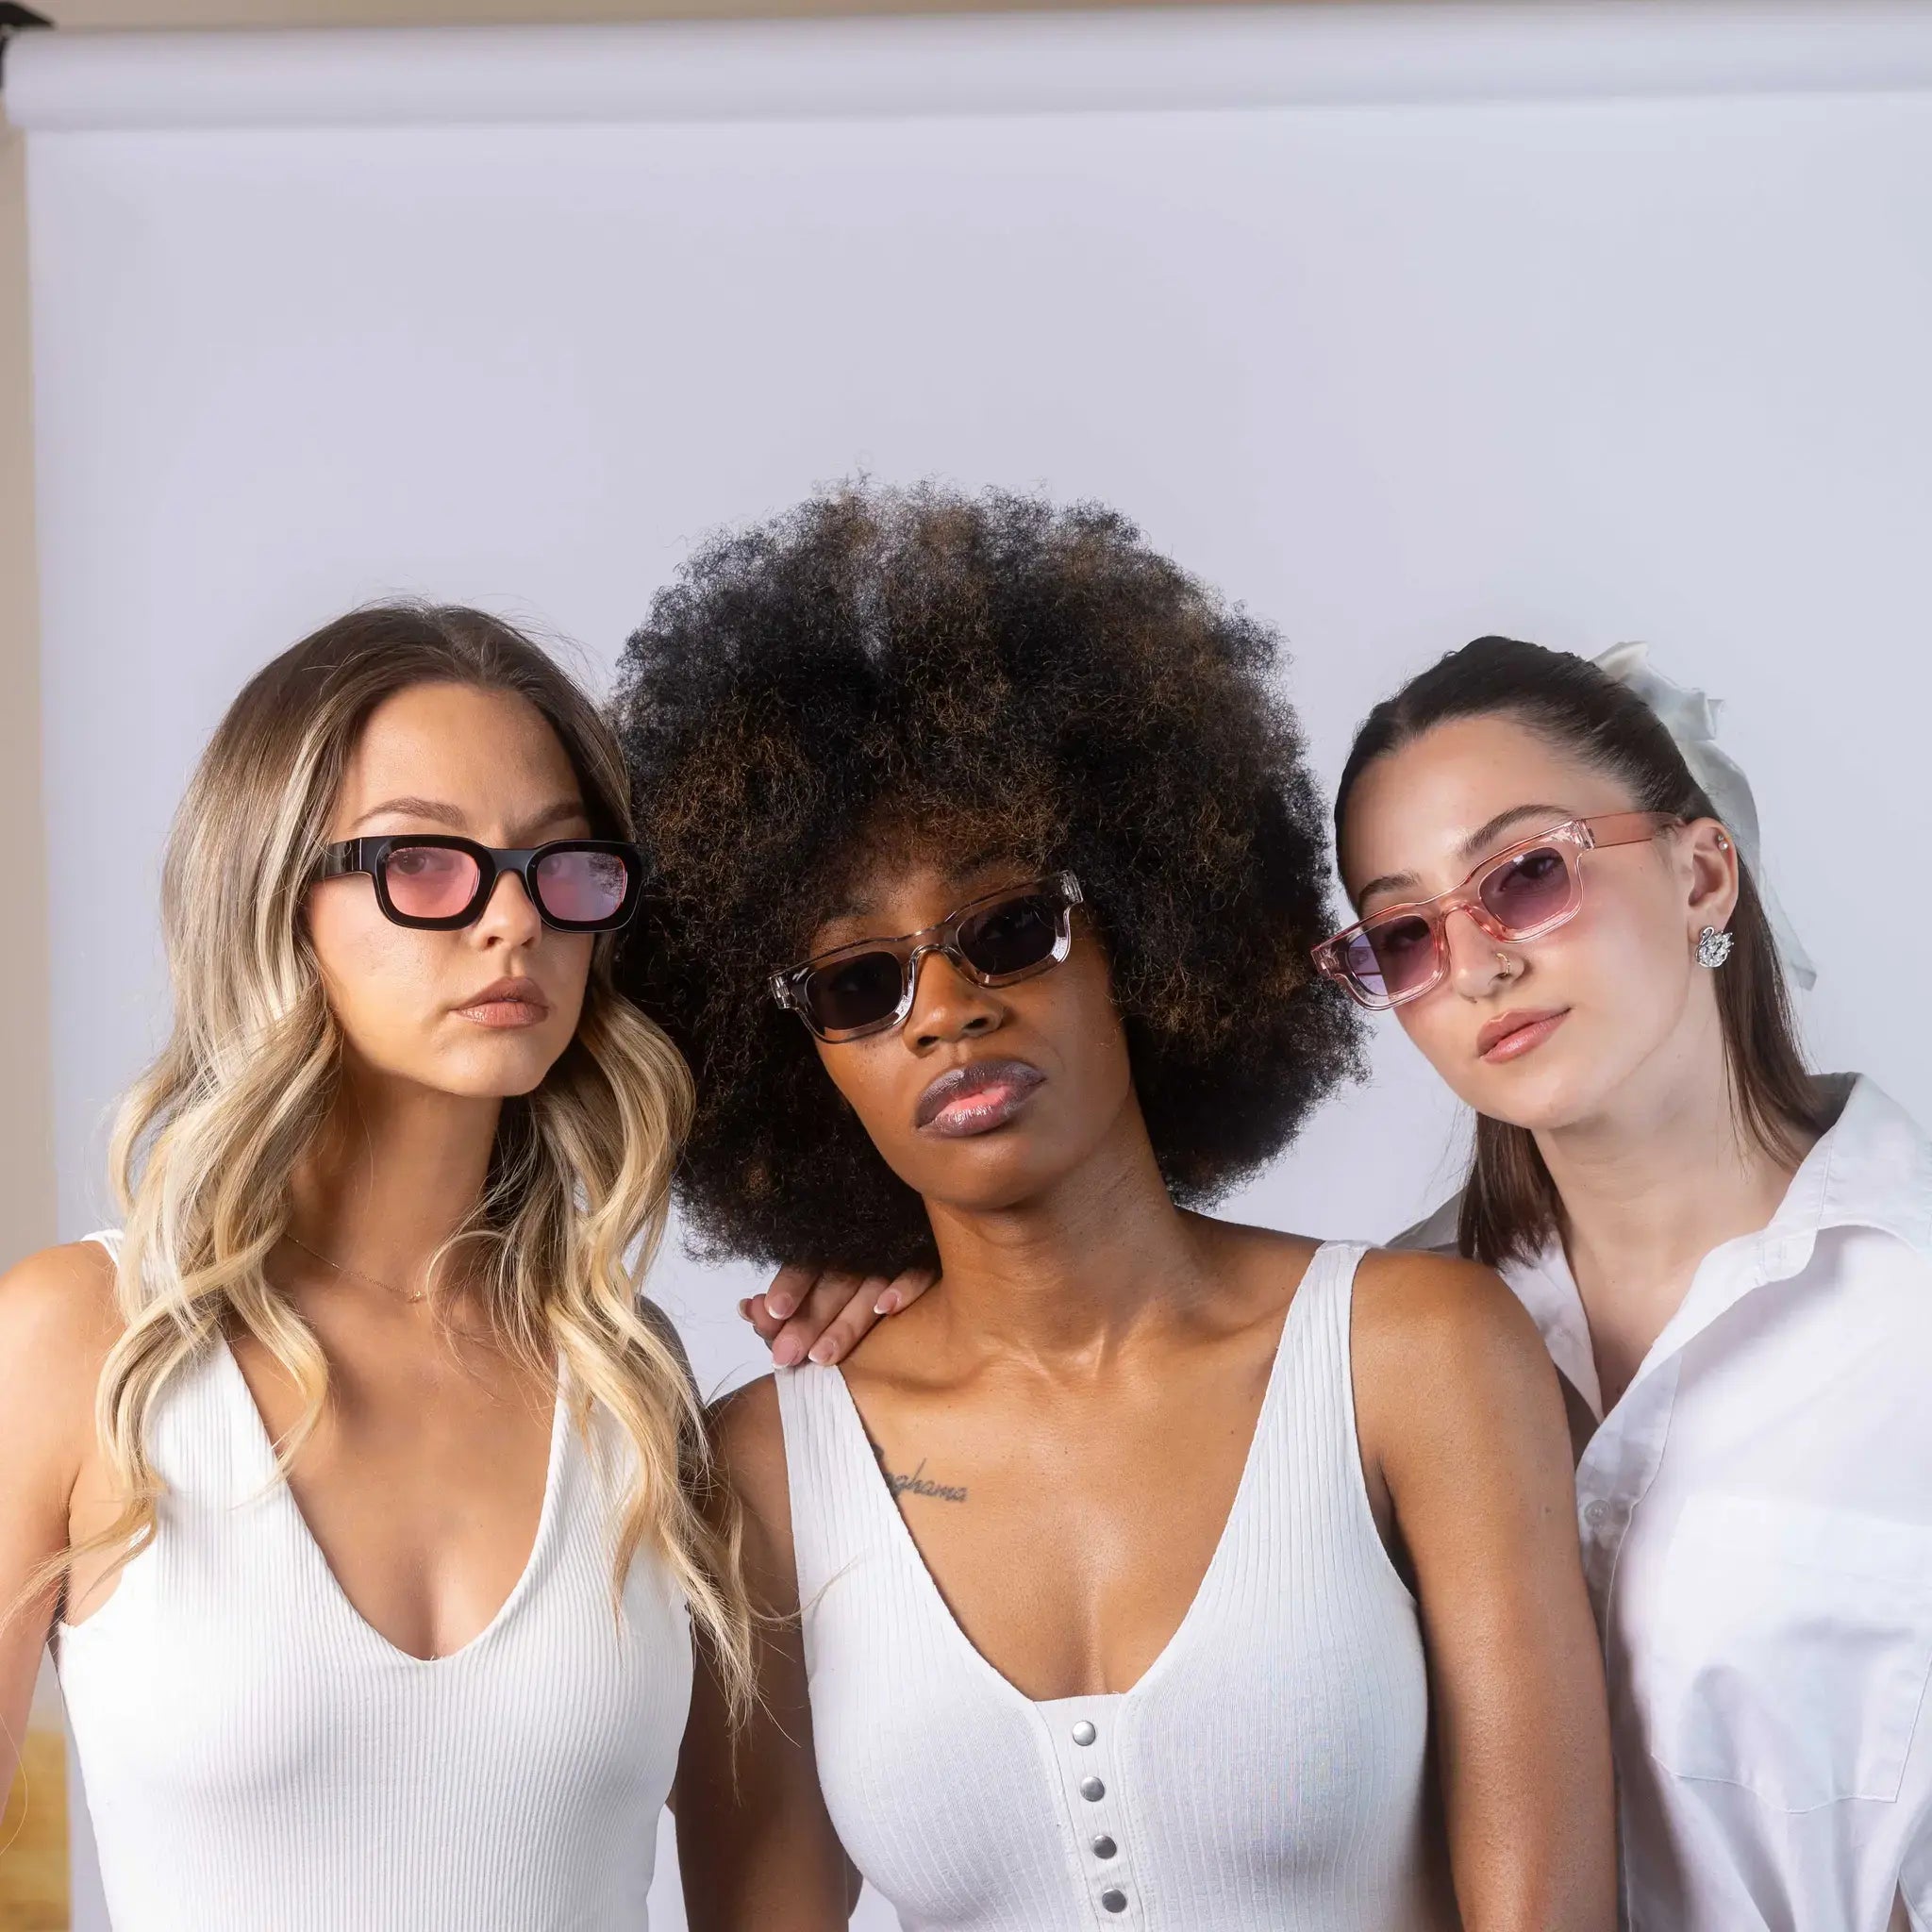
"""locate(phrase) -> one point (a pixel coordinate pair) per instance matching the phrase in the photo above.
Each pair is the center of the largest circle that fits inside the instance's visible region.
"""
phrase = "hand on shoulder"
(825, 1313)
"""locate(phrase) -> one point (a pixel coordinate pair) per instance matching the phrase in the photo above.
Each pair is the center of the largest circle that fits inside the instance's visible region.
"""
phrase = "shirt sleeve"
(1915, 1862)
(1915, 1877)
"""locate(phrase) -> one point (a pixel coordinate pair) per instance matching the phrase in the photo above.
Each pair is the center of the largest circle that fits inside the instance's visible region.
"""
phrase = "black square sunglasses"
(576, 885)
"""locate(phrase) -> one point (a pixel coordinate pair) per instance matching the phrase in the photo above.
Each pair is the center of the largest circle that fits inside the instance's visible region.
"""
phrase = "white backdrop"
(1400, 324)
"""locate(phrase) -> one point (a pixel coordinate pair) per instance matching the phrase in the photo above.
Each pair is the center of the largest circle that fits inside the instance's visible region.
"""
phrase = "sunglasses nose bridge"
(1474, 964)
(964, 970)
(490, 891)
(1469, 900)
(947, 951)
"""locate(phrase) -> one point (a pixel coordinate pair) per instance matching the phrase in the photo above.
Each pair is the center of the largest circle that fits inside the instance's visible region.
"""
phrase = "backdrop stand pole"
(14, 20)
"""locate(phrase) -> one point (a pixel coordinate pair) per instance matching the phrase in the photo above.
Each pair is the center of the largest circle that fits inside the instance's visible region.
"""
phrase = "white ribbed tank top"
(254, 1756)
(1266, 1773)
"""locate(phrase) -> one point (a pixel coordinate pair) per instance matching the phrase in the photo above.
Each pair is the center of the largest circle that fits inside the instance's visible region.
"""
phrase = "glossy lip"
(507, 1003)
(977, 1098)
(1518, 1033)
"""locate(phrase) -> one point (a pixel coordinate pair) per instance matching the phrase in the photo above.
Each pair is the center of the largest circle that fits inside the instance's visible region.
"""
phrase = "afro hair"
(975, 674)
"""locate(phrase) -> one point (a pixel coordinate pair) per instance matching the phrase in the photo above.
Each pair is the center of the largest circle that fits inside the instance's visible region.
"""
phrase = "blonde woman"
(352, 1482)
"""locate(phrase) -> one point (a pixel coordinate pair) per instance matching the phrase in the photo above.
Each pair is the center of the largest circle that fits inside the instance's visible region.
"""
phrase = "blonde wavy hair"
(579, 1178)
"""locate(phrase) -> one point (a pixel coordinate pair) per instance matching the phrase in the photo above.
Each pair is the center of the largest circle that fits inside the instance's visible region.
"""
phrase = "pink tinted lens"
(429, 881)
(1530, 891)
(1391, 956)
(581, 887)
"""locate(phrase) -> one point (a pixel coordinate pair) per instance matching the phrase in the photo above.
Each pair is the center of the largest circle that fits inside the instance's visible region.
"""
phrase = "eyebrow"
(563, 813)
(1472, 847)
(861, 907)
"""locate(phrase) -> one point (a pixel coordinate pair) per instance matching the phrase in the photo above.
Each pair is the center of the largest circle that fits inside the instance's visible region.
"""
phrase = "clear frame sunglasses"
(1401, 952)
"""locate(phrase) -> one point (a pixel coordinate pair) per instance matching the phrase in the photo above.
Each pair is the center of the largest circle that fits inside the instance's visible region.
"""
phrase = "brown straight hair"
(1510, 1207)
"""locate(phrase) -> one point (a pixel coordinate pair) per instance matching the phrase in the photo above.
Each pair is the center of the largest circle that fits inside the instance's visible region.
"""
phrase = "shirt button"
(1114, 1901)
(1104, 1847)
(1596, 1514)
(1084, 1732)
(1092, 1790)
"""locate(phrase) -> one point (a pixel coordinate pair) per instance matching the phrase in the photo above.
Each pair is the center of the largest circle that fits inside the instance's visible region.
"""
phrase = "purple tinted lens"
(583, 887)
(1530, 891)
(1360, 963)
(858, 992)
(1392, 957)
(429, 881)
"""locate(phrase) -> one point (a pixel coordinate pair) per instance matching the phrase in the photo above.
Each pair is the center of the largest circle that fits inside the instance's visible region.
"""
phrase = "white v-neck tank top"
(1267, 1773)
(256, 1755)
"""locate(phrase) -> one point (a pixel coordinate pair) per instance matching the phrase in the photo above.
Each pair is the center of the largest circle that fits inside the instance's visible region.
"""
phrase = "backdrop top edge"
(1193, 57)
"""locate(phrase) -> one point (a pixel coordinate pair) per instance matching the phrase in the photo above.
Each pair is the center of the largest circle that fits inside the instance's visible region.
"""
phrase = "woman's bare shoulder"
(57, 1306)
(1411, 1296)
(748, 1439)
(747, 1434)
(59, 1319)
(1441, 1334)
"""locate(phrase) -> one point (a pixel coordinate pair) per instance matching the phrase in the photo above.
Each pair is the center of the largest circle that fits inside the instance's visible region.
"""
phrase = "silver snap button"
(1084, 1732)
(1114, 1901)
(1092, 1790)
(1104, 1847)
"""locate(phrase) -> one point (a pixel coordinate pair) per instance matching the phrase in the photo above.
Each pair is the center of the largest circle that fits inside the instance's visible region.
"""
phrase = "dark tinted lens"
(582, 887)
(1393, 955)
(1530, 891)
(429, 881)
(855, 991)
(1012, 936)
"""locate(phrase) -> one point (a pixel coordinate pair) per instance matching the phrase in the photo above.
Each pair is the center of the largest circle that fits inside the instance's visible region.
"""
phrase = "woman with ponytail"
(1730, 1261)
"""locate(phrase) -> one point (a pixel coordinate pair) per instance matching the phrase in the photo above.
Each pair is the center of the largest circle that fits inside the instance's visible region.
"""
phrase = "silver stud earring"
(1713, 948)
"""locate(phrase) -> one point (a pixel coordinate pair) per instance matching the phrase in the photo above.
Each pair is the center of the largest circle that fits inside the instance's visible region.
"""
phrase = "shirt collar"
(1871, 1168)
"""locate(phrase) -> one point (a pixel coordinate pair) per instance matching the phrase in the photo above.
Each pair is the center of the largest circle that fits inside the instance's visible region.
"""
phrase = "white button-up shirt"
(1757, 1526)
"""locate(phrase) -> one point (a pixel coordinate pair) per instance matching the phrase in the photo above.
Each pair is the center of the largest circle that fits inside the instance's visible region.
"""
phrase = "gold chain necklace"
(402, 1294)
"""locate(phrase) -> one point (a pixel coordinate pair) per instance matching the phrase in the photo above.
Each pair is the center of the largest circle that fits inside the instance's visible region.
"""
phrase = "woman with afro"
(1157, 1571)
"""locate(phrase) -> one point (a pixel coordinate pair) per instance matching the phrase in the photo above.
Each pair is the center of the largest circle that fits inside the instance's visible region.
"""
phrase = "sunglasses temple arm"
(340, 858)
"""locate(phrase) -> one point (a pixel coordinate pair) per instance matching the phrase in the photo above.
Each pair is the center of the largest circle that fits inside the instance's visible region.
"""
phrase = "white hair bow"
(1691, 718)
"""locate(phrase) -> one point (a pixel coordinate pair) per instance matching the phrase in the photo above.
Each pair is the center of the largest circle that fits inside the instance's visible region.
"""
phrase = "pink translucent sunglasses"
(1401, 952)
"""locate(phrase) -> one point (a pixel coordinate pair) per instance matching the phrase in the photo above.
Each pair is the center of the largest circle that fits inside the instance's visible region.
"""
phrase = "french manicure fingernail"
(744, 1308)
(888, 1304)
(823, 1352)
(786, 1350)
(780, 1306)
